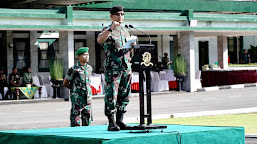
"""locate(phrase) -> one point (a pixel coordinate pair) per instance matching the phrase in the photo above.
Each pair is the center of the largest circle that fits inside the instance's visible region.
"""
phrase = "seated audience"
(14, 81)
(27, 76)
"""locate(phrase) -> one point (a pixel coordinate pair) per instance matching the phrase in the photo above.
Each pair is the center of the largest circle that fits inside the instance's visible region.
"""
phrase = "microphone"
(130, 30)
(142, 32)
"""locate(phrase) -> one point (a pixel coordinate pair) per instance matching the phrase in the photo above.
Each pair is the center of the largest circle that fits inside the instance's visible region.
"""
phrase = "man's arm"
(18, 83)
(105, 34)
(14, 83)
(10, 80)
(66, 83)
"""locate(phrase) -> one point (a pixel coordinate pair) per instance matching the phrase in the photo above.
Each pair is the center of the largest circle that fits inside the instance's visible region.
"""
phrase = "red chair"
(135, 86)
(94, 91)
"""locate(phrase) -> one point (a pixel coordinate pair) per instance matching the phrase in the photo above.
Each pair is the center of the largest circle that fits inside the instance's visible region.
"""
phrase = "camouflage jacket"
(3, 80)
(117, 59)
(80, 79)
(27, 78)
(14, 78)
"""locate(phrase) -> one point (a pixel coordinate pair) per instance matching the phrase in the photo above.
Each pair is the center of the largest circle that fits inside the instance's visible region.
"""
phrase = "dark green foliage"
(180, 66)
(56, 69)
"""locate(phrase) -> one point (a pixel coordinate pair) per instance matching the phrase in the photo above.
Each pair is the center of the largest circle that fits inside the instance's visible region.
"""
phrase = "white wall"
(163, 44)
(166, 44)
(249, 40)
(213, 50)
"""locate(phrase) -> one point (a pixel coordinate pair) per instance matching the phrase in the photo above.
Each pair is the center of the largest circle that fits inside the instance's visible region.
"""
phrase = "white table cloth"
(96, 81)
(157, 84)
(167, 75)
(135, 77)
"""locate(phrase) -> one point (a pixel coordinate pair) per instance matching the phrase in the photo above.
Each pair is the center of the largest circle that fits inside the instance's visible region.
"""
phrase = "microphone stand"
(126, 26)
(131, 32)
(142, 32)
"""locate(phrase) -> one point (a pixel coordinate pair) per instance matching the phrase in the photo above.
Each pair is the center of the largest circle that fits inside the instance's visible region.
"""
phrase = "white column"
(187, 50)
(159, 47)
(91, 45)
(222, 52)
(33, 52)
(238, 49)
(66, 48)
(9, 40)
(175, 44)
(66, 51)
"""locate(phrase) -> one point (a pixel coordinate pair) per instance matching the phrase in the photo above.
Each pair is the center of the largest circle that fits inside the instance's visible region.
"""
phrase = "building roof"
(93, 16)
(47, 3)
(214, 6)
(227, 6)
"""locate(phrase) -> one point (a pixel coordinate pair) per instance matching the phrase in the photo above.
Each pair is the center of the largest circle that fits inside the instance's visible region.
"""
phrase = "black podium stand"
(146, 53)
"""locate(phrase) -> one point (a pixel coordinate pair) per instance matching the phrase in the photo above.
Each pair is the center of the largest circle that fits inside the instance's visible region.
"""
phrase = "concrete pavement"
(227, 87)
(174, 115)
(214, 88)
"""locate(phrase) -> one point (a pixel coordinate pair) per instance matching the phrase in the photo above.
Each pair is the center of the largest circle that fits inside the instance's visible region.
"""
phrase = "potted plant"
(180, 68)
(56, 73)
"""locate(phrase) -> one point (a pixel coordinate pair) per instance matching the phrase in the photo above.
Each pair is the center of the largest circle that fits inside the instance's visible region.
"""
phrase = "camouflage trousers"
(117, 91)
(80, 111)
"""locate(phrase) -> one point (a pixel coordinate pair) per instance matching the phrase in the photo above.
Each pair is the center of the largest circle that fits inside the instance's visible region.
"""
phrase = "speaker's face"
(119, 16)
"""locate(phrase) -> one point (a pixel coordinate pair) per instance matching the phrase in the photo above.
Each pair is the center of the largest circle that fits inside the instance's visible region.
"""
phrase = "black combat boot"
(112, 124)
(86, 119)
(119, 121)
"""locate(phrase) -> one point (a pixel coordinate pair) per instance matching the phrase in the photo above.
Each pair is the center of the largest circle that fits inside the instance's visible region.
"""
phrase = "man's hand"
(114, 25)
(132, 46)
(133, 43)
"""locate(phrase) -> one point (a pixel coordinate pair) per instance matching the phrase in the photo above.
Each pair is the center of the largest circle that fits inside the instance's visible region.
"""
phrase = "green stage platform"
(100, 135)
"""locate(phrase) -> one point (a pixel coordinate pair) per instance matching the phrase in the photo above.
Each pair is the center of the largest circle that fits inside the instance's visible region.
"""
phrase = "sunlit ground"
(248, 121)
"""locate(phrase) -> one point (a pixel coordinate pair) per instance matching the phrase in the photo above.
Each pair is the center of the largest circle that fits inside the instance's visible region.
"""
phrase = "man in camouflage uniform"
(14, 81)
(117, 69)
(3, 82)
(78, 80)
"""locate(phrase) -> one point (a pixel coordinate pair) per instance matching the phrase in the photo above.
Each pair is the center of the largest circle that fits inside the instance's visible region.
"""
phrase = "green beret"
(116, 9)
(82, 50)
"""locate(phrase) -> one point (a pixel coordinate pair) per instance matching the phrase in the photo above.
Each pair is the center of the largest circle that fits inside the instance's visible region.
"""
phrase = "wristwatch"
(110, 30)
